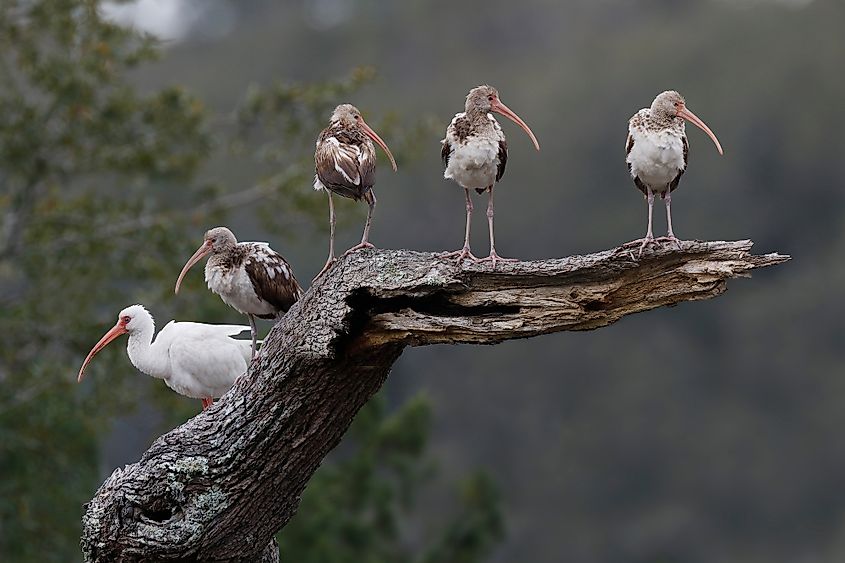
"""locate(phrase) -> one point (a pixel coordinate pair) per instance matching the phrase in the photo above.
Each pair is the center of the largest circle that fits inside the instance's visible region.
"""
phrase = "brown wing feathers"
(345, 162)
(677, 179)
(637, 182)
(503, 159)
(273, 280)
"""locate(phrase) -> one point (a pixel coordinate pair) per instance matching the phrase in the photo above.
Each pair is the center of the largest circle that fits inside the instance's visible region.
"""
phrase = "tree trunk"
(221, 485)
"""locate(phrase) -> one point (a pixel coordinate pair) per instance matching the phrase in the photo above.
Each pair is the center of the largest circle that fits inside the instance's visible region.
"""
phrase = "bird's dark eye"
(490, 98)
(126, 319)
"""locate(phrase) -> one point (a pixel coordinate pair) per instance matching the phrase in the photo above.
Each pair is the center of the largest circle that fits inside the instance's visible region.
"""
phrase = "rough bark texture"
(221, 485)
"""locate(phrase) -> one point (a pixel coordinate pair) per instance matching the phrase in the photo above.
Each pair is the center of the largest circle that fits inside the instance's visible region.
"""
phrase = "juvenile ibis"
(250, 277)
(657, 153)
(196, 360)
(345, 164)
(475, 153)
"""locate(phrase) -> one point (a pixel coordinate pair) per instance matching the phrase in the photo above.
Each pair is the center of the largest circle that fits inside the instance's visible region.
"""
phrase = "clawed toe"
(459, 255)
(495, 258)
(642, 243)
(670, 239)
(328, 265)
(359, 246)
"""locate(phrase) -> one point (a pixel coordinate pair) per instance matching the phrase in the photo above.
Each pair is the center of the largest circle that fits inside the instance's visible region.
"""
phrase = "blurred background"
(706, 432)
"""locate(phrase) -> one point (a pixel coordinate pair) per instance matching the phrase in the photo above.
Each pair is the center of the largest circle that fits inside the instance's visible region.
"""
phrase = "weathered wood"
(218, 487)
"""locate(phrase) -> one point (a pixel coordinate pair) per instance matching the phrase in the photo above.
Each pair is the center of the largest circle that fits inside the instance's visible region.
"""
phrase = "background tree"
(375, 482)
(103, 194)
(81, 152)
(705, 433)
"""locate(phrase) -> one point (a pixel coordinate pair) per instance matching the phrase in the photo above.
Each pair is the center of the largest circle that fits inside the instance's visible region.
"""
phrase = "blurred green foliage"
(101, 201)
(708, 432)
(80, 149)
(353, 509)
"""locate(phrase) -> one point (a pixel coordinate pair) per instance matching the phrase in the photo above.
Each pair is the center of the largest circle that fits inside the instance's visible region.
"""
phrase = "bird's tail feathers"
(233, 330)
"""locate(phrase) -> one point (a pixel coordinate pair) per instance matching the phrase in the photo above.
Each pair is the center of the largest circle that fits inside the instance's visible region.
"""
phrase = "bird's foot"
(494, 258)
(459, 255)
(360, 246)
(672, 239)
(207, 402)
(328, 265)
(642, 243)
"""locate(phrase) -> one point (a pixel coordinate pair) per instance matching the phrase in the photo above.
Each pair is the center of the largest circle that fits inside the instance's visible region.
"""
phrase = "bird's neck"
(663, 120)
(142, 354)
(476, 115)
(349, 134)
(224, 261)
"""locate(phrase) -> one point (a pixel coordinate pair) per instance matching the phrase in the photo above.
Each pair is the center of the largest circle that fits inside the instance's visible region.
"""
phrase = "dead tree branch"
(221, 485)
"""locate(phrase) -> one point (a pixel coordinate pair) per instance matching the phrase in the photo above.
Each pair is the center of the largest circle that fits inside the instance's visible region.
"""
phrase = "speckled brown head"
(670, 104)
(349, 117)
(218, 240)
(480, 99)
(484, 99)
(346, 115)
(667, 104)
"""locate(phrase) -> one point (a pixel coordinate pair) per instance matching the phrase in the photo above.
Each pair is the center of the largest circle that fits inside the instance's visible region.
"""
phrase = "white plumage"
(237, 289)
(475, 154)
(196, 360)
(657, 155)
(250, 277)
(473, 161)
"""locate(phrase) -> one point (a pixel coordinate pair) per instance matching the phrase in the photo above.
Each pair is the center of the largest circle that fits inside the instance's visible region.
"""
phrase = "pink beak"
(692, 118)
(202, 251)
(497, 106)
(374, 136)
(116, 330)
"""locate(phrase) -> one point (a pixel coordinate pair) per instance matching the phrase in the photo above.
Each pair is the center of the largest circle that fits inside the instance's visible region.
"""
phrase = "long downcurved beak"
(374, 136)
(115, 331)
(501, 108)
(201, 252)
(694, 119)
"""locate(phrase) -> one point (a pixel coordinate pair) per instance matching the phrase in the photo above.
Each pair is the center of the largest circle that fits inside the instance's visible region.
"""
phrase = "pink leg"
(465, 252)
(332, 222)
(670, 236)
(207, 402)
(365, 239)
(649, 235)
(493, 256)
(254, 331)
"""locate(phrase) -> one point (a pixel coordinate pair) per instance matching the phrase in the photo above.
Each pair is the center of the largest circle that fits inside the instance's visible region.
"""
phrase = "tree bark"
(221, 485)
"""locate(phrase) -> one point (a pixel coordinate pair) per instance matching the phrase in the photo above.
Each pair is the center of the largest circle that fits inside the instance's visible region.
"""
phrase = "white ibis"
(196, 360)
(657, 152)
(475, 153)
(250, 277)
(345, 163)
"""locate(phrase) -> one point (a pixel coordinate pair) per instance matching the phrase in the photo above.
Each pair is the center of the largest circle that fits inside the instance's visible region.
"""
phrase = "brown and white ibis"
(196, 360)
(657, 153)
(345, 164)
(250, 277)
(475, 153)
